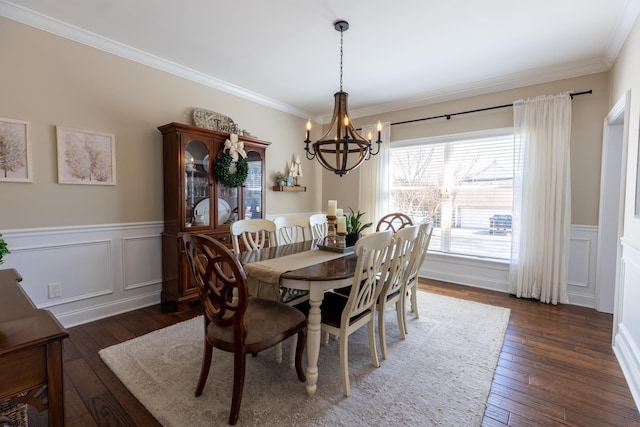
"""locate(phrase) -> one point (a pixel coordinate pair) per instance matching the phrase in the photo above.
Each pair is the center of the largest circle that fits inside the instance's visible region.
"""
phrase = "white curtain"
(374, 177)
(542, 199)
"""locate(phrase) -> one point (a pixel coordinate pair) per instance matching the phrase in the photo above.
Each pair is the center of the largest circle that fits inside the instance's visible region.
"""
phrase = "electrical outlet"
(55, 290)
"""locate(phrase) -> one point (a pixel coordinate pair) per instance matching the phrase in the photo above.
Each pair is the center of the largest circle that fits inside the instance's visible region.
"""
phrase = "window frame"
(449, 138)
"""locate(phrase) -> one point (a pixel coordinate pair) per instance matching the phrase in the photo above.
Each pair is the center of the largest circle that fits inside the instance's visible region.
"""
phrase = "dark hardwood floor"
(556, 367)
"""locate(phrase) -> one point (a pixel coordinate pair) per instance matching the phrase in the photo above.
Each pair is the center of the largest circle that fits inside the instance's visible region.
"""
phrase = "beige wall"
(586, 135)
(51, 81)
(625, 75)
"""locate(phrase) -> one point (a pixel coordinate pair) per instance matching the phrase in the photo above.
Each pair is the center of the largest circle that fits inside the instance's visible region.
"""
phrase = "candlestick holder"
(331, 225)
(334, 241)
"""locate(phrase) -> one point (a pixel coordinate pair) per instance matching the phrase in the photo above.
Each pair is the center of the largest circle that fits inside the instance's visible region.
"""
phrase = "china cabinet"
(194, 201)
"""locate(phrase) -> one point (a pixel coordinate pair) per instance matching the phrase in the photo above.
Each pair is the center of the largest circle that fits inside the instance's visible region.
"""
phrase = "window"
(464, 184)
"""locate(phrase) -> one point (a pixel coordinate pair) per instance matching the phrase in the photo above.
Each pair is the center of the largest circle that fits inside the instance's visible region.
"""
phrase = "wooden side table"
(30, 351)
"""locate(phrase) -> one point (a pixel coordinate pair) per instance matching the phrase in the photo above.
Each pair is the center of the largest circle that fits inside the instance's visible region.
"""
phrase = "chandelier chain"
(341, 38)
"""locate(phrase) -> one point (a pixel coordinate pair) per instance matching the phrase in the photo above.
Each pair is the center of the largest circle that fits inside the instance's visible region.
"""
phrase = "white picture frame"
(16, 164)
(85, 157)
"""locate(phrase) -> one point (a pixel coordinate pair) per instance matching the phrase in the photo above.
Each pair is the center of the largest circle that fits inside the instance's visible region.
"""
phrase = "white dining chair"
(343, 316)
(319, 225)
(254, 234)
(411, 276)
(292, 229)
(393, 285)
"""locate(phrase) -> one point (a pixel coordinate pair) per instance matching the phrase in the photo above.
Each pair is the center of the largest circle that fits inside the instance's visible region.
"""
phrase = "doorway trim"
(611, 208)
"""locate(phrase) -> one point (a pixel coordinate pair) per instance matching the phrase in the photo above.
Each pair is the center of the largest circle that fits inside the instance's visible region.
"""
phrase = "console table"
(30, 351)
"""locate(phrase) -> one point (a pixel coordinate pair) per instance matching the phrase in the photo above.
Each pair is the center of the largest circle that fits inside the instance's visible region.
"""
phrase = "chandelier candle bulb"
(379, 131)
(331, 208)
(308, 129)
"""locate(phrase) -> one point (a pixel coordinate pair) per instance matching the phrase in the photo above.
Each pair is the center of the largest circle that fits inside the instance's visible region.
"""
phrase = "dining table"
(300, 266)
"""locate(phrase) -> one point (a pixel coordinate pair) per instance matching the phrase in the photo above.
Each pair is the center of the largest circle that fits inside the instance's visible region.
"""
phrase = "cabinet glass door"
(196, 182)
(253, 186)
(227, 204)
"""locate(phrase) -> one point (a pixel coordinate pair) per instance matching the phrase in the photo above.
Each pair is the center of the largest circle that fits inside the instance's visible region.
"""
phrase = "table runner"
(263, 277)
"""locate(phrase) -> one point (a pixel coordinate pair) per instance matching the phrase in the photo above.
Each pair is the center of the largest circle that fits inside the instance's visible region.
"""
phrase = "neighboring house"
(103, 242)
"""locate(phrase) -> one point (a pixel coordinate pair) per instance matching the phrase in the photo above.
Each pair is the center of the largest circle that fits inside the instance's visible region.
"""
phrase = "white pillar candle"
(342, 224)
(339, 212)
(331, 208)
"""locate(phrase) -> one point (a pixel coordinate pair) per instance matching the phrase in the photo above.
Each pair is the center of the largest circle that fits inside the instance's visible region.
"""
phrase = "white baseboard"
(628, 356)
(101, 311)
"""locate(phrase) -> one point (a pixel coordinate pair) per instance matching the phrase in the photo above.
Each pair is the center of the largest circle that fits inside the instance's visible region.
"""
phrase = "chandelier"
(346, 149)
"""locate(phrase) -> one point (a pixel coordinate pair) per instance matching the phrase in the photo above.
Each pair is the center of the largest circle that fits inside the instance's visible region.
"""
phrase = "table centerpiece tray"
(346, 250)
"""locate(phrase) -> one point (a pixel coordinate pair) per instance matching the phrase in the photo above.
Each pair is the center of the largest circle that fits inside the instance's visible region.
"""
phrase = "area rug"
(440, 375)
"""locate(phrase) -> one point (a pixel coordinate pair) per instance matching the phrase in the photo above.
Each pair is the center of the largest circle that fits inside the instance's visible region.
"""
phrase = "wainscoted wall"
(102, 270)
(627, 340)
(495, 275)
(109, 269)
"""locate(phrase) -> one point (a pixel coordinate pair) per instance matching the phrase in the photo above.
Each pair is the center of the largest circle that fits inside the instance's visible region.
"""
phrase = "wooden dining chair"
(319, 225)
(393, 285)
(411, 276)
(394, 222)
(292, 229)
(249, 234)
(343, 316)
(234, 321)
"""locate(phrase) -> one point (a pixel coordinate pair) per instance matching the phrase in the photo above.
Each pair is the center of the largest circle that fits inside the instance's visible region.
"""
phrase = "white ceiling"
(285, 53)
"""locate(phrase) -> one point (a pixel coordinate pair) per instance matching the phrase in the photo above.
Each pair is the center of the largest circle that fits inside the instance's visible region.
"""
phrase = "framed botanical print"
(86, 157)
(15, 151)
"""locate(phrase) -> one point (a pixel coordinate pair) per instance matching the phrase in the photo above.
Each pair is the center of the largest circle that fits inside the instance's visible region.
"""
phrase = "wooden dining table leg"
(316, 295)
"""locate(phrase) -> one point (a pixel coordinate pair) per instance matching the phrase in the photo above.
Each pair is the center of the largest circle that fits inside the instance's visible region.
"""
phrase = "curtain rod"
(448, 116)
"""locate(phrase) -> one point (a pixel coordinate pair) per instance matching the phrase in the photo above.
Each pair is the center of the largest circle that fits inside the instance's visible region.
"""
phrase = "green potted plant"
(4, 250)
(281, 179)
(355, 226)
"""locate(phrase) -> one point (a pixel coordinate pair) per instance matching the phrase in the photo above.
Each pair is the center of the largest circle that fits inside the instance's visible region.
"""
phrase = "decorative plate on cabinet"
(224, 211)
(205, 163)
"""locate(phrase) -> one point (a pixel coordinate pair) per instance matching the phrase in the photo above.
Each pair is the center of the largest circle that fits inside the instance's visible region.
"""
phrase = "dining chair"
(319, 225)
(291, 229)
(343, 316)
(393, 285)
(254, 233)
(411, 276)
(234, 321)
(394, 222)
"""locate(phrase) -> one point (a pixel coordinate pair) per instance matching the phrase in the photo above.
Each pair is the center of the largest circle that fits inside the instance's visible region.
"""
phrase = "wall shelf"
(294, 189)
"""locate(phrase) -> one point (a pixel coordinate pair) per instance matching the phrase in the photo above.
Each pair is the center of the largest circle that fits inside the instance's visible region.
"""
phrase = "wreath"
(222, 170)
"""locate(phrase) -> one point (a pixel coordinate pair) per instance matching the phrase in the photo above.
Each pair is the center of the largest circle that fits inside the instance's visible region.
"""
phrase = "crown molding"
(71, 32)
(625, 22)
(624, 25)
